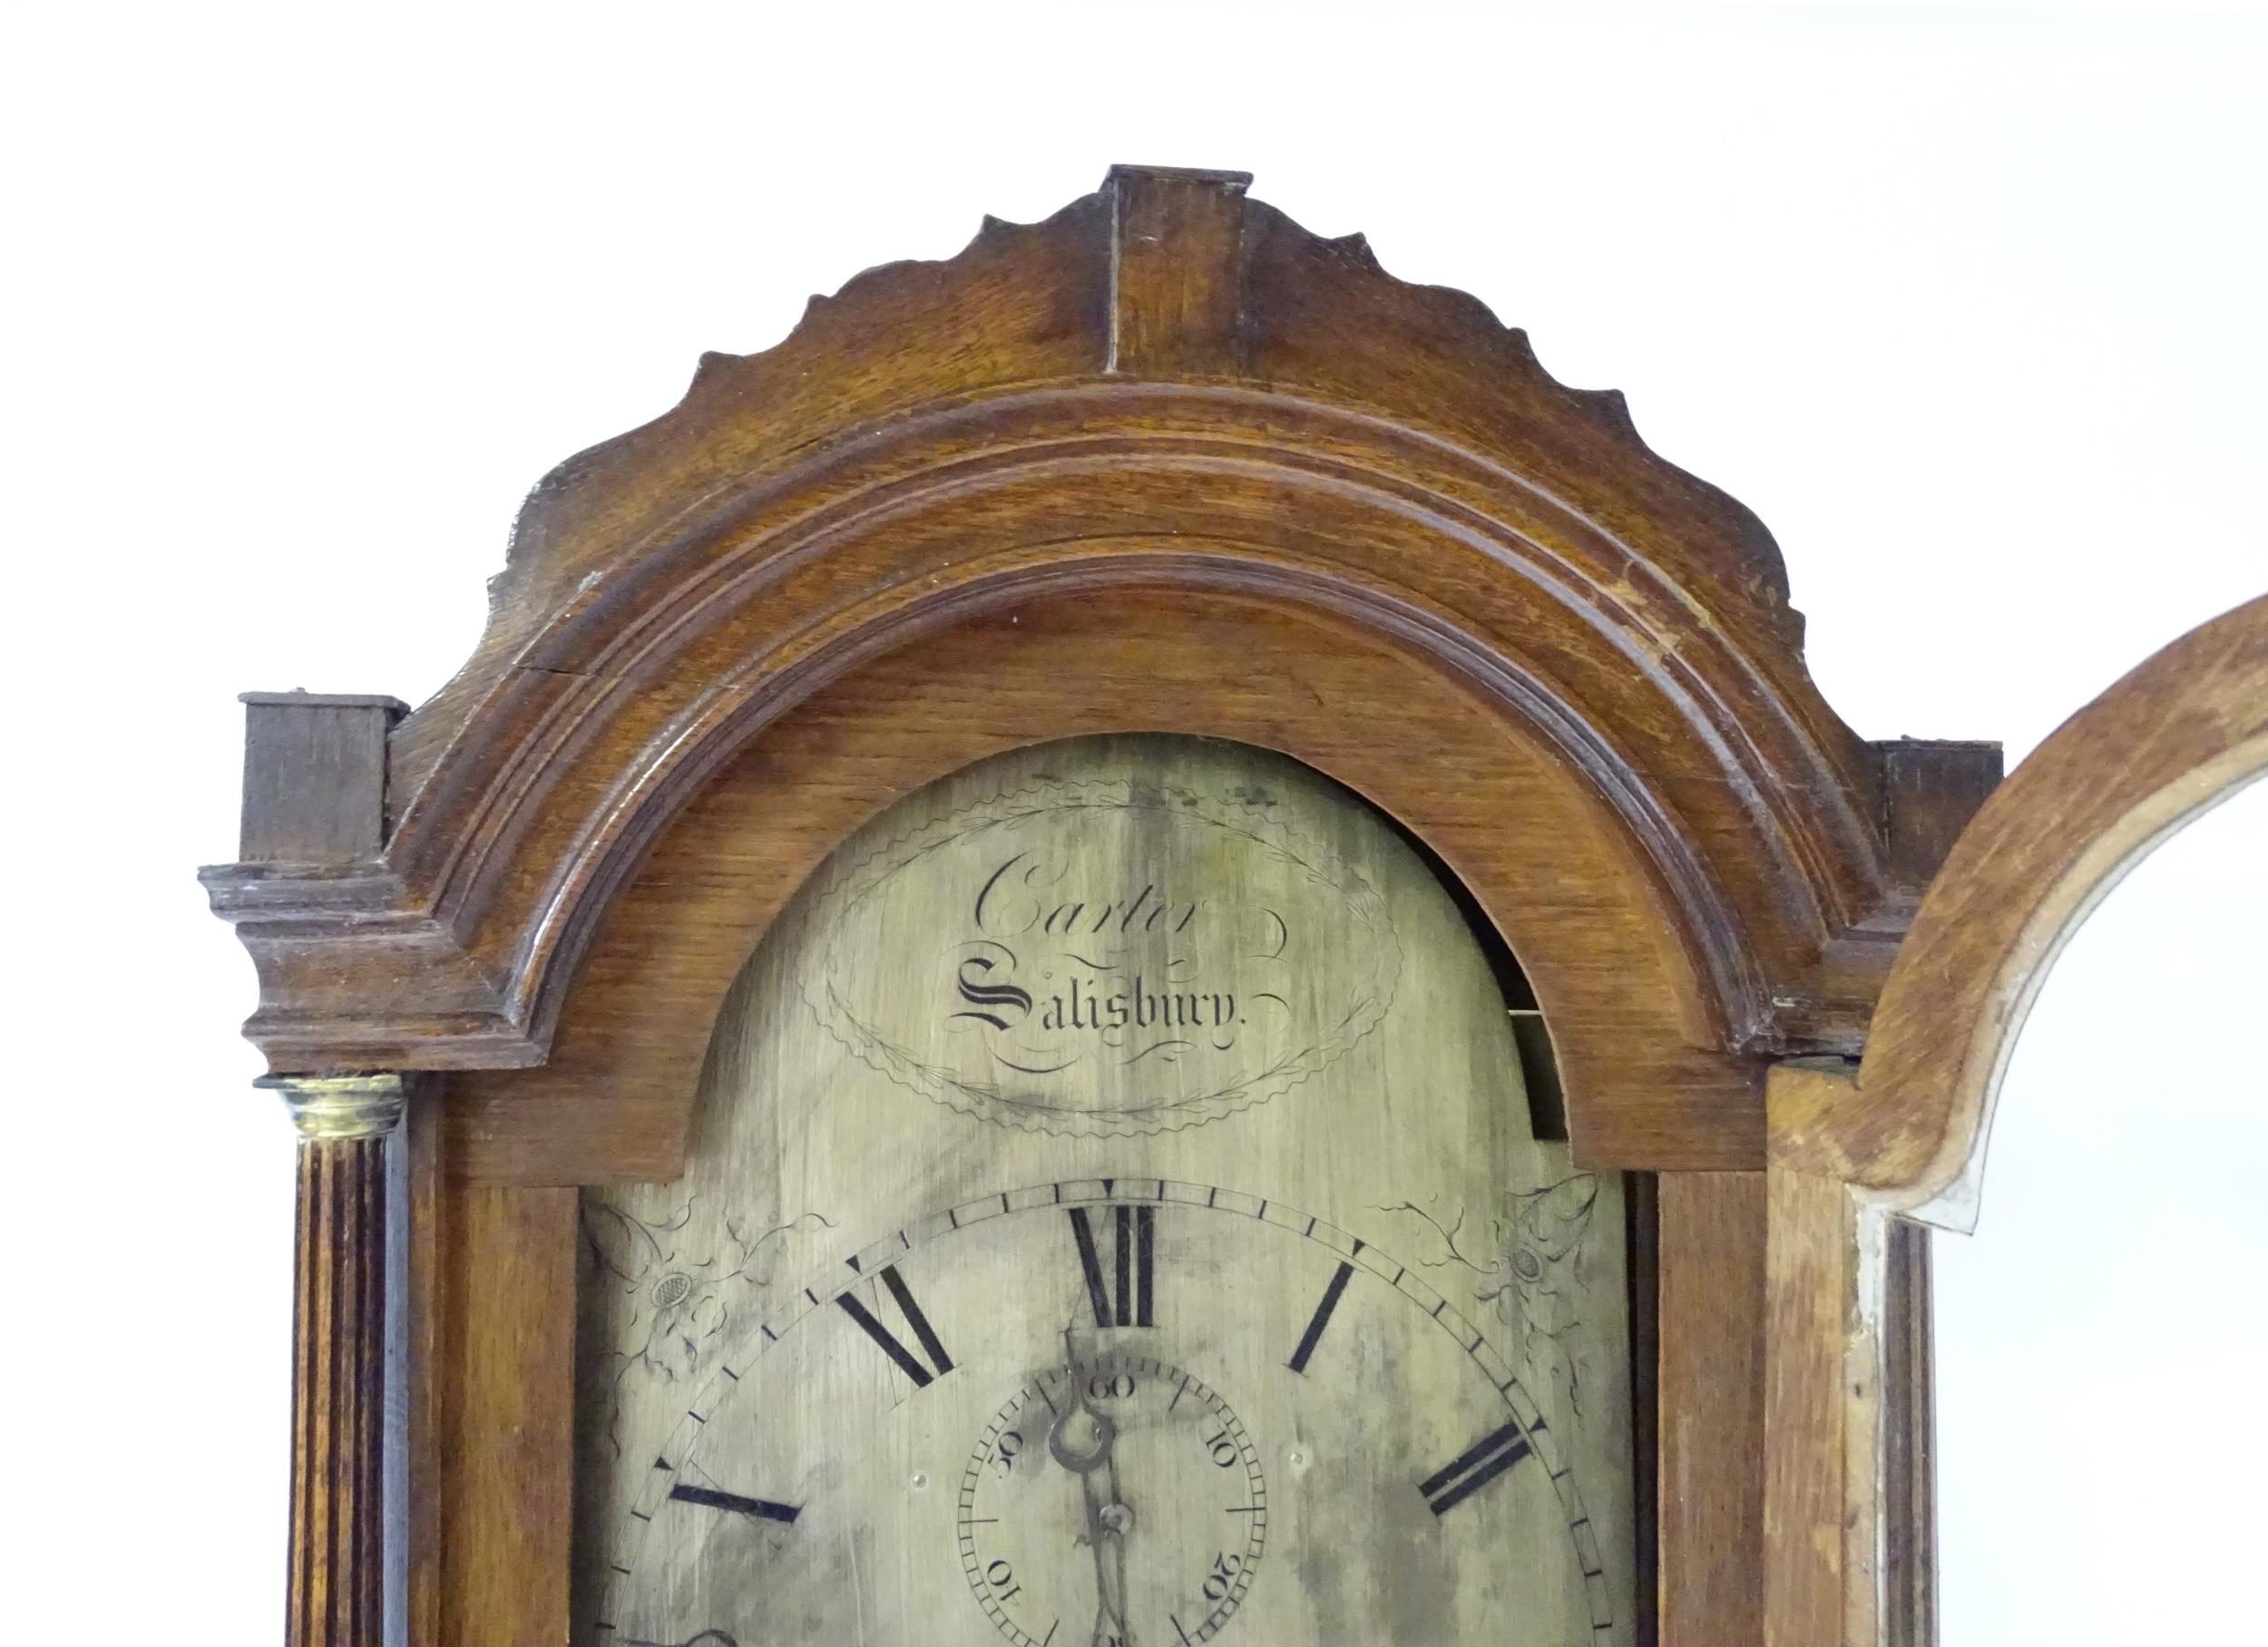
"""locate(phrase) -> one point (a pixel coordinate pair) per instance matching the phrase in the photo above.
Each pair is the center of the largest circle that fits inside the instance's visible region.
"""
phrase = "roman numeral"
(1474, 1468)
(1129, 1305)
(908, 1362)
(763, 1509)
(1320, 1320)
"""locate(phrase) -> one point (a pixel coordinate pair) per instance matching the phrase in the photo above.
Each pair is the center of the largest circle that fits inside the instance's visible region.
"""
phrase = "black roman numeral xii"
(1128, 1304)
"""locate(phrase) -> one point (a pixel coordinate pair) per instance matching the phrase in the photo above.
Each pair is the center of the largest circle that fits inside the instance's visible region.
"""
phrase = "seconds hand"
(1089, 1457)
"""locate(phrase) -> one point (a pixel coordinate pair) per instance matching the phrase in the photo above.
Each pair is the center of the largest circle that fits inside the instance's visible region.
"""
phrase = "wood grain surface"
(1165, 461)
(314, 796)
(1820, 1518)
(504, 1389)
(1530, 842)
(415, 1272)
(315, 776)
(1711, 1408)
(1858, 1150)
(337, 1545)
(943, 444)
(2183, 731)
(1849, 1445)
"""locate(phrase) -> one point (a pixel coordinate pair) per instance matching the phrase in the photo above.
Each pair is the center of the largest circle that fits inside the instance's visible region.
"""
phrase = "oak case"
(1163, 463)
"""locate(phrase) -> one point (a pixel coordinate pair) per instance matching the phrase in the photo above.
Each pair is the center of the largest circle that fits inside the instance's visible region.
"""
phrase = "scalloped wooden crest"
(1100, 399)
(1099, 311)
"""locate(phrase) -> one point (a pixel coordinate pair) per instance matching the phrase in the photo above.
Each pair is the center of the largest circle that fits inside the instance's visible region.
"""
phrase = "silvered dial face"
(1256, 1314)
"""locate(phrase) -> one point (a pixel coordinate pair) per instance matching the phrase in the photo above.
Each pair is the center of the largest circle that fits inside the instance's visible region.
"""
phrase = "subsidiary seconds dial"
(1112, 1500)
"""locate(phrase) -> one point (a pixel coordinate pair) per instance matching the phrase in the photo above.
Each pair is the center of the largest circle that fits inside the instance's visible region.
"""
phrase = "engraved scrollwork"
(679, 1287)
(1528, 1265)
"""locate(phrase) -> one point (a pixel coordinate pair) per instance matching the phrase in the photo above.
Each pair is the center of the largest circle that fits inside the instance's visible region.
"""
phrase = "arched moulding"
(1861, 1154)
(2168, 742)
(1629, 1019)
(1163, 386)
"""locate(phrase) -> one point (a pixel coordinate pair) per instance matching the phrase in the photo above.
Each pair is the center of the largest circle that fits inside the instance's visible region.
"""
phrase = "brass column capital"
(339, 1108)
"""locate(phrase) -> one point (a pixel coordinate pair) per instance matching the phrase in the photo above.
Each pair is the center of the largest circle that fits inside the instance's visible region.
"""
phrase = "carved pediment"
(1164, 384)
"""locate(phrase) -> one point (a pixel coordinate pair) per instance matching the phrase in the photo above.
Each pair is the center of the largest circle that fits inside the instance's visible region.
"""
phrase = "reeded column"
(342, 1502)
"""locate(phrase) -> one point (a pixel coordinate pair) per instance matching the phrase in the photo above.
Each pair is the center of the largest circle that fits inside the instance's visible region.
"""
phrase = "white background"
(1967, 303)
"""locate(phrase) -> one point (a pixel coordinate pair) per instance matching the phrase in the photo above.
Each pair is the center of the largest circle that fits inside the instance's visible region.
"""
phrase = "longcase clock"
(1090, 958)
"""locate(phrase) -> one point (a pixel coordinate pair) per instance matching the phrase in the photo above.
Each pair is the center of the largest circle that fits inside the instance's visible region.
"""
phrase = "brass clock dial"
(1113, 1216)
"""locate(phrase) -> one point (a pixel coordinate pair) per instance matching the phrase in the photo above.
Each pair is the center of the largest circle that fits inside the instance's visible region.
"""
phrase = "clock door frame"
(1165, 461)
(1863, 1156)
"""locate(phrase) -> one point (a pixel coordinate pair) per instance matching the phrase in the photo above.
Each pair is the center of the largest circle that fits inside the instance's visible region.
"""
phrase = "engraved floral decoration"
(677, 1292)
(1531, 1270)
